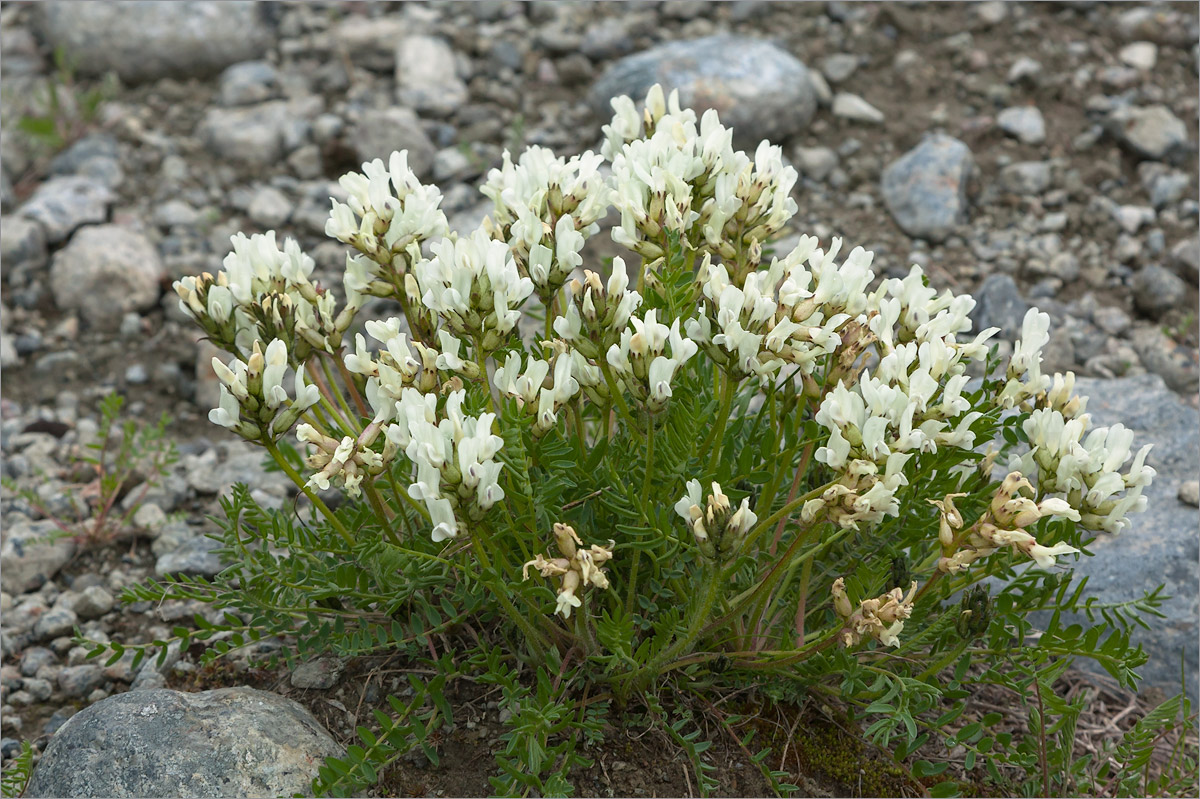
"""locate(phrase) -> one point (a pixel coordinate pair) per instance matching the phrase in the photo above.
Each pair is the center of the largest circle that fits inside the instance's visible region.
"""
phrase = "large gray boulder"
(144, 40)
(925, 190)
(1163, 543)
(760, 90)
(158, 742)
(105, 272)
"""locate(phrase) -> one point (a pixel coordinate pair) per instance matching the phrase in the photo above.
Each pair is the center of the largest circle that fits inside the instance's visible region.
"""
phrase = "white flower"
(228, 412)
(474, 285)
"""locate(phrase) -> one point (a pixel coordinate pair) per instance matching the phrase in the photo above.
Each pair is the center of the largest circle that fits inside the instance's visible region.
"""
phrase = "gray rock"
(1157, 290)
(856, 109)
(321, 673)
(1131, 218)
(999, 304)
(258, 135)
(1025, 70)
(1162, 544)
(62, 204)
(815, 162)
(248, 83)
(1112, 320)
(606, 38)
(145, 40)
(1163, 356)
(105, 272)
(57, 720)
(1185, 256)
(32, 554)
(1168, 189)
(839, 66)
(35, 658)
(8, 195)
(1189, 492)
(9, 356)
(41, 690)
(925, 190)
(379, 132)
(1151, 131)
(1155, 23)
(54, 623)
(175, 213)
(253, 134)
(1139, 55)
(760, 90)
(269, 207)
(1026, 177)
(228, 742)
(427, 75)
(96, 155)
(94, 601)
(22, 244)
(136, 374)
(1025, 123)
(79, 681)
(371, 43)
(195, 557)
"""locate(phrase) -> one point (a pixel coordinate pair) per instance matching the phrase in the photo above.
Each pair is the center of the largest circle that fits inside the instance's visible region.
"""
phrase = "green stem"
(782, 512)
(481, 359)
(535, 638)
(718, 433)
(348, 379)
(381, 510)
(331, 385)
(618, 397)
(317, 502)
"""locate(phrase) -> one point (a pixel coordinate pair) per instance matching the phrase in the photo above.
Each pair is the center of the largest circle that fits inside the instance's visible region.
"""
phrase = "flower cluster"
(345, 462)
(639, 359)
(388, 216)
(881, 618)
(254, 404)
(1003, 524)
(533, 391)
(264, 293)
(393, 368)
(454, 458)
(911, 402)
(578, 567)
(784, 315)
(473, 285)
(596, 312)
(546, 207)
(1067, 458)
(717, 528)
(671, 177)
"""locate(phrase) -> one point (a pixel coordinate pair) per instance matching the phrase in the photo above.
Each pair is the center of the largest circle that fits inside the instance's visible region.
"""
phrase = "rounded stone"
(146, 40)
(1025, 123)
(158, 742)
(925, 190)
(1151, 132)
(427, 75)
(379, 132)
(1157, 289)
(62, 204)
(104, 272)
(759, 89)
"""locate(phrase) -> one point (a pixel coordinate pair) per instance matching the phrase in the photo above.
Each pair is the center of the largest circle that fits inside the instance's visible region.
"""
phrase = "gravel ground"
(1026, 153)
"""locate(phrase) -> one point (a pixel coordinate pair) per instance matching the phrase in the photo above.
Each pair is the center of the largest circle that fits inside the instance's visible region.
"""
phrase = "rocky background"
(1026, 153)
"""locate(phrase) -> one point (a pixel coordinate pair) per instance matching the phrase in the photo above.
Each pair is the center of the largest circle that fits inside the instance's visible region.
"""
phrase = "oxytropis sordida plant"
(707, 457)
